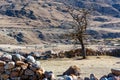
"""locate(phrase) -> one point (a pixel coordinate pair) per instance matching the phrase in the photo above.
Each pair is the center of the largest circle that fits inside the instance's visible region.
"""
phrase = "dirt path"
(99, 66)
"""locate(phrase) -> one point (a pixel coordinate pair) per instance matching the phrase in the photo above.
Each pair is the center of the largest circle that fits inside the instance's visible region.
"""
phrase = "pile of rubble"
(18, 67)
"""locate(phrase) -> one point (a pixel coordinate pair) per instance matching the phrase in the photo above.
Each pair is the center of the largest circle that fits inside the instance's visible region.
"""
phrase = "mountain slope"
(45, 21)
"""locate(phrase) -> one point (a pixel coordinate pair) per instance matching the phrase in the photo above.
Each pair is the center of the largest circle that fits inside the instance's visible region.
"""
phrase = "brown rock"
(72, 70)
(24, 66)
(40, 74)
(29, 72)
(21, 72)
(2, 63)
(19, 63)
(1, 69)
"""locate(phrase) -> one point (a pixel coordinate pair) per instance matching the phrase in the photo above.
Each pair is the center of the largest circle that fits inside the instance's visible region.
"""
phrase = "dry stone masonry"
(18, 67)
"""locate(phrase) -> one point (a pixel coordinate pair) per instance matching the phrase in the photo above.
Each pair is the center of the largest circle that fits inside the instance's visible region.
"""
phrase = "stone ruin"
(18, 67)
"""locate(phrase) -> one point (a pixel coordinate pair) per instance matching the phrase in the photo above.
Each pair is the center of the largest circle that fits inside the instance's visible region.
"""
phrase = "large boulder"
(72, 70)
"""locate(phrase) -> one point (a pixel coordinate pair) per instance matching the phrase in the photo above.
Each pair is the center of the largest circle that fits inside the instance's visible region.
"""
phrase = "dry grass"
(98, 65)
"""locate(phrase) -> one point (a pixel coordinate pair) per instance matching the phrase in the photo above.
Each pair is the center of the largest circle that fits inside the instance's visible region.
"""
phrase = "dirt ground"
(98, 65)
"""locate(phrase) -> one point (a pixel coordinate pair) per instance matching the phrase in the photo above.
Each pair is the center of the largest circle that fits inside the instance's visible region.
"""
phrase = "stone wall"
(18, 67)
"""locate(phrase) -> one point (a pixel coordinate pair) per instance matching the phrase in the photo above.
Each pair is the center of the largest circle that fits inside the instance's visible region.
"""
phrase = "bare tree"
(80, 18)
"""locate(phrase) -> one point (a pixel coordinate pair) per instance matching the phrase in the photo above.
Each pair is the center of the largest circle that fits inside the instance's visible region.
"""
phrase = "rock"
(1, 69)
(60, 78)
(6, 57)
(86, 78)
(8, 71)
(74, 77)
(34, 67)
(29, 72)
(36, 55)
(40, 74)
(38, 63)
(16, 57)
(71, 77)
(30, 59)
(19, 63)
(92, 77)
(2, 63)
(72, 70)
(14, 74)
(23, 58)
(111, 78)
(115, 71)
(17, 69)
(49, 75)
(103, 77)
(4, 76)
(110, 75)
(9, 65)
(21, 72)
(117, 77)
(68, 77)
(24, 66)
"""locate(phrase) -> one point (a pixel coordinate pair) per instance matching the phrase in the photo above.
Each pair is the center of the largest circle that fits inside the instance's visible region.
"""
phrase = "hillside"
(45, 21)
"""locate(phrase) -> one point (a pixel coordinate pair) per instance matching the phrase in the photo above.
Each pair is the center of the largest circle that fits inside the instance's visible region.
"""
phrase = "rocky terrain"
(26, 67)
(45, 21)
